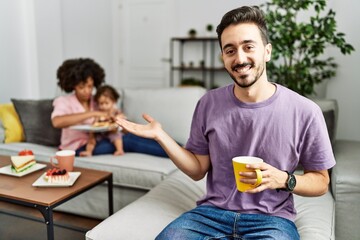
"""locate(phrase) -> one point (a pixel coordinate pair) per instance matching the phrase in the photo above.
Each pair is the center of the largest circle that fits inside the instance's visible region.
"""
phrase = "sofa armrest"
(345, 183)
(145, 218)
(330, 110)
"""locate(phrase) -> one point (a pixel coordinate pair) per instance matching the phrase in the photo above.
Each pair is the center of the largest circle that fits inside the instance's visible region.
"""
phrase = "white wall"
(37, 35)
(345, 87)
(17, 49)
(49, 43)
(87, 31)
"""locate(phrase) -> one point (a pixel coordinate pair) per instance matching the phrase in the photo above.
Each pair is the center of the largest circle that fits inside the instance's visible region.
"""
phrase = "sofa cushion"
(41, 152)
(135, 170)
(11, 125)
(179, 193)
(152, 212)
(35, 117)
(172, 107)
(2, 132)
(315, 217)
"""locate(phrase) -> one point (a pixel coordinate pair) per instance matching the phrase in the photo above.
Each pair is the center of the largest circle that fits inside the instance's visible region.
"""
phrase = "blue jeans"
(208, 222)
(131, 143)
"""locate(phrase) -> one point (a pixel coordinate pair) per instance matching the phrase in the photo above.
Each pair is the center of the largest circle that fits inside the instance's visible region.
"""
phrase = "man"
(252, 117)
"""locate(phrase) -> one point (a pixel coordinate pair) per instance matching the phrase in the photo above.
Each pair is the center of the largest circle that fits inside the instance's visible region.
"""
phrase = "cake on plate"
(56, 175)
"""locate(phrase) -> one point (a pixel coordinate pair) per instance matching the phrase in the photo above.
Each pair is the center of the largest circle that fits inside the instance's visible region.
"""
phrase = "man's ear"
(222, 56)
(268, 49)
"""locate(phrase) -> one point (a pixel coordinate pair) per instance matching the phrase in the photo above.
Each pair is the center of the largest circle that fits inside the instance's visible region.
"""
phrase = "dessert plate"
(41, 182)
(90, 128)
(7, 170)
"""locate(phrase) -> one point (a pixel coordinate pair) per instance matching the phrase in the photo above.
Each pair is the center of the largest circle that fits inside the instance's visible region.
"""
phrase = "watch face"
(291, 182)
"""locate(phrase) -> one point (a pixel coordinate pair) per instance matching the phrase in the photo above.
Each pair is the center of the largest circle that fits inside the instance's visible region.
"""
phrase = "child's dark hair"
(107, 91)
(74, 71)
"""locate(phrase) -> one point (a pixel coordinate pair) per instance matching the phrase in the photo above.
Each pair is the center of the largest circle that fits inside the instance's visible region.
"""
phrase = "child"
(106, 98)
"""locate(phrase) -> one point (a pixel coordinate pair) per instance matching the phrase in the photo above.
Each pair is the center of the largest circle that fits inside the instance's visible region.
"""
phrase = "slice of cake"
(22, 163)
(56, 175)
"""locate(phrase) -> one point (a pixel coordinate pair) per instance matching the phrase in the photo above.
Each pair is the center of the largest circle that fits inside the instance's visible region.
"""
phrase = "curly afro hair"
(74, 71)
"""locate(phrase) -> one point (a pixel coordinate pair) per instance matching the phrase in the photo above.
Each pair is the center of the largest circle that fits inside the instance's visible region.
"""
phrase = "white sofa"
(172, 193)
(134, 174)
(319, 218)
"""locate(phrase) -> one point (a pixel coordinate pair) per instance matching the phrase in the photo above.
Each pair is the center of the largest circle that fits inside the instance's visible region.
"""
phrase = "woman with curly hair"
(79, 77)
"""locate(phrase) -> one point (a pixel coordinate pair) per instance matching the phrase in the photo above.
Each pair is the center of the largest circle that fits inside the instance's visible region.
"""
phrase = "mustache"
(242, 65)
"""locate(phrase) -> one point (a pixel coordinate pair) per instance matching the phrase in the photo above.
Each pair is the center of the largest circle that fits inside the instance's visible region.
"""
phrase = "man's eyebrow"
(242, 42)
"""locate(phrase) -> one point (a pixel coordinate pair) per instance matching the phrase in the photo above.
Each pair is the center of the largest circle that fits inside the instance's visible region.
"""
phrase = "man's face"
(244, 53)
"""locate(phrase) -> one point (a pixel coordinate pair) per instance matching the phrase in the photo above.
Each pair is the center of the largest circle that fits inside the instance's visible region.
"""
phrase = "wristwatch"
(290, 182)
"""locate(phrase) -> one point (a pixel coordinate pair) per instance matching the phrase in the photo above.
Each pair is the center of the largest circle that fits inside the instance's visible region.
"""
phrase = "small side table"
(19, 190)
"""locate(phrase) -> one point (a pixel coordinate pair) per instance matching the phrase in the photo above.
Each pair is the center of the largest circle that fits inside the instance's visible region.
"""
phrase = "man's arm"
(195, 166)
(309, 184)
(312, 183)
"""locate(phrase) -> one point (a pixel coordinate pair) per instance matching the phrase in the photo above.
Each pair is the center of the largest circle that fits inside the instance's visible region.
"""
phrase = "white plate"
(90, 128)
(41, 182)
(7, 170)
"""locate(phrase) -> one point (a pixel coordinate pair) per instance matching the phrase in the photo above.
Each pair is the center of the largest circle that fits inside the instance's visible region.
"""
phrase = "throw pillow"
(11, 123)
(35, 116)
(2, 132)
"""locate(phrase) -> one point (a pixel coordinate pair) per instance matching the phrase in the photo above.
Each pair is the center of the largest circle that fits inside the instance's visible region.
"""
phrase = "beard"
(246, 80)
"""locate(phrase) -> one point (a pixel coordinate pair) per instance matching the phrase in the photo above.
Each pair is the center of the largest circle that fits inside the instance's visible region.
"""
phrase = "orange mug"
(65, 160)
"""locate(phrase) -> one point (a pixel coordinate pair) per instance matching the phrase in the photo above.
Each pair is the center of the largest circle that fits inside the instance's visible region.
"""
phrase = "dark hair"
(107, 91)
(74, 71)
(245, 14)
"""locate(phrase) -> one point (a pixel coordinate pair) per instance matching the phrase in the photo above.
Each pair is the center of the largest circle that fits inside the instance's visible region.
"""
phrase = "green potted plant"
(298, 60)
(209, 29)
(192, 33)
(191, 82)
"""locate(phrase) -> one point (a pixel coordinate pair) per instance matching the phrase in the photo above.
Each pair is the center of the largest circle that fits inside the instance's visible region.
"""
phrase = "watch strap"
(287, 189)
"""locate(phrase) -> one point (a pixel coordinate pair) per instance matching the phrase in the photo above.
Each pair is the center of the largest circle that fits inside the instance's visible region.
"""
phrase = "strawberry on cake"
(56, 175)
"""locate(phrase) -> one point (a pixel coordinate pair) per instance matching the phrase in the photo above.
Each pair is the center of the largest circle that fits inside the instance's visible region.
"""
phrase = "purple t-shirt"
(284, 130)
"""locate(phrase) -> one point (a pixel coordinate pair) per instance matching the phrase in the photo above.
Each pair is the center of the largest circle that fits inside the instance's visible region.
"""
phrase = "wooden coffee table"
(19, 190)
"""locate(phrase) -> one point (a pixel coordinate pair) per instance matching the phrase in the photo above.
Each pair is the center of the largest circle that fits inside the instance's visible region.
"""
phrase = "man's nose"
(240, 57)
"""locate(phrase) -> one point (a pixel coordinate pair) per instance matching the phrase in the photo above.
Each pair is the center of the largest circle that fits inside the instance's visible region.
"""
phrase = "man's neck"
(260, 91)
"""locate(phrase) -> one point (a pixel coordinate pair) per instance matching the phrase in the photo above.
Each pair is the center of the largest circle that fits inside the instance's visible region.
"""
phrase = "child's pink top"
(69, 104)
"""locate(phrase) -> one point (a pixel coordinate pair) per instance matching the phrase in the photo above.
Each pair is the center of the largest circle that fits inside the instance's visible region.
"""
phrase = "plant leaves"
(298, 47)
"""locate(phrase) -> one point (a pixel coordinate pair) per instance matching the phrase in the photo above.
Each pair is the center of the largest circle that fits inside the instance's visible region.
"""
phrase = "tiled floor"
(16, 225)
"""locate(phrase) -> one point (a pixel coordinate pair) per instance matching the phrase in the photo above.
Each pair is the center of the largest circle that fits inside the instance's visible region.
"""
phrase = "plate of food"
(57, 178)
(21, 166)
(96, 128)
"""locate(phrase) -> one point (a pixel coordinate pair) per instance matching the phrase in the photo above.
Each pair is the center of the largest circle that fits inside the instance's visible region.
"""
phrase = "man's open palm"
(149, 130)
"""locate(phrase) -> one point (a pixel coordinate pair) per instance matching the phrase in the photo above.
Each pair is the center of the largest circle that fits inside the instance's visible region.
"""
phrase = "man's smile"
(242, 68)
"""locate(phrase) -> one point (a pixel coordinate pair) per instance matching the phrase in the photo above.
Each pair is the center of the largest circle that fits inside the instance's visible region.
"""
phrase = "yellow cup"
(239, 164)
